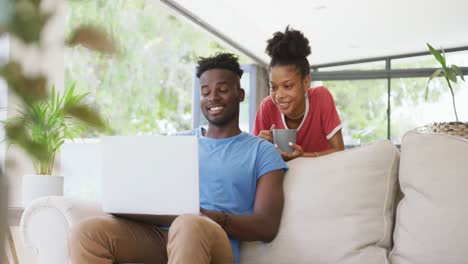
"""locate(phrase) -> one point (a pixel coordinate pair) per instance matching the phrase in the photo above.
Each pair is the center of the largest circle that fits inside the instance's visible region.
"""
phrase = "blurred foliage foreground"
(24, 20)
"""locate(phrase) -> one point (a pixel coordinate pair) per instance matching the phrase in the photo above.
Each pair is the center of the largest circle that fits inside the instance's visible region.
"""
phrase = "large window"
(147, 87)
(385, 98)
(362, 106)
(410, 109)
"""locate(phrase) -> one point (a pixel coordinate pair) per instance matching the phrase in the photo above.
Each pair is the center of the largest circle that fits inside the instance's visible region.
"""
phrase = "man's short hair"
(227, 61)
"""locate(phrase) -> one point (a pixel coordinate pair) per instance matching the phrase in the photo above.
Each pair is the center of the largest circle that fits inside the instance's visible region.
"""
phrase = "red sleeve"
(262, 119)
(331, 122)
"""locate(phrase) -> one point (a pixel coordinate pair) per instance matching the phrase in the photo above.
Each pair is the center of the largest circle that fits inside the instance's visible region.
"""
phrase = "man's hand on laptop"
(217, 216)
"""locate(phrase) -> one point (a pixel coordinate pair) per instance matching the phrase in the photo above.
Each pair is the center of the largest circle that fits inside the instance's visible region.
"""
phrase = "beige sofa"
(340, 208)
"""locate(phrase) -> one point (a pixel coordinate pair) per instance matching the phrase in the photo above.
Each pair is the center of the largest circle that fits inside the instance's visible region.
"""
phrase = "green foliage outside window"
(147, 87)
(362, 104)
(362, 107)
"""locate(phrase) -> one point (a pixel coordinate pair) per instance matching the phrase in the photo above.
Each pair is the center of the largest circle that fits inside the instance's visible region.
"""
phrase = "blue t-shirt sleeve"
(268, 159)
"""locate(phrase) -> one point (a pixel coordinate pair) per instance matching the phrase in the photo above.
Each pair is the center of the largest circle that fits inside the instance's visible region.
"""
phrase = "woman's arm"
(264, 223)
(336, 143)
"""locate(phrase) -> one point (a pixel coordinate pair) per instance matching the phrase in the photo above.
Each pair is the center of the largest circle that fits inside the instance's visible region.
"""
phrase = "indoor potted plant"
(450, 74)
(47, 123)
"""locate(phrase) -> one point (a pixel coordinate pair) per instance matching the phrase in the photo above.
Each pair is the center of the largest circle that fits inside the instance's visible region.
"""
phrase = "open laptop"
(150, 178)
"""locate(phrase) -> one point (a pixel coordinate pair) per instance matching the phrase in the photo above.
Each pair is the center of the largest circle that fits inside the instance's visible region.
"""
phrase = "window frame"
(388, 73)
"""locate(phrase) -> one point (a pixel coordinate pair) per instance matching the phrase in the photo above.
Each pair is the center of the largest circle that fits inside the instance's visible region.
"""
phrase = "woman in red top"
(293, 105)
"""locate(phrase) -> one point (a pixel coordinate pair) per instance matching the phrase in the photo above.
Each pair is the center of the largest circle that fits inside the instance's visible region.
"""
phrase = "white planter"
(35, 186)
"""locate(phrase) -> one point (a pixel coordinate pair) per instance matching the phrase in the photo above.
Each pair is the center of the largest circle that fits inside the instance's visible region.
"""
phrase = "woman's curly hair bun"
(290, 44)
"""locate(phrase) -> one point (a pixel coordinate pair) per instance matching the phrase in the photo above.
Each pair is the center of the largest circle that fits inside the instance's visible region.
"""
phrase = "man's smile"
(215, 109)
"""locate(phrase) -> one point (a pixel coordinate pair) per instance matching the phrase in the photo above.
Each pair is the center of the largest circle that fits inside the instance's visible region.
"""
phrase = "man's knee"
(196, 236)
(194, 225)
(187, 220)
(92, 228)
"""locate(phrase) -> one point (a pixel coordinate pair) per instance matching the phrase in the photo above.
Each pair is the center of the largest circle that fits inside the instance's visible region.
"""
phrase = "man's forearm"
(252, 228)
(247, 227)
(263, 223)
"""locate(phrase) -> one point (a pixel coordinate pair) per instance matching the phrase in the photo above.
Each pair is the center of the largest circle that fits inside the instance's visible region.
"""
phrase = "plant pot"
(459, 129)
(35, 186)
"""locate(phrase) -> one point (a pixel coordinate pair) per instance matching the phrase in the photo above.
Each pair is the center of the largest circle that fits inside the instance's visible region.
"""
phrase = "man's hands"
(216, 216)
(263, 223)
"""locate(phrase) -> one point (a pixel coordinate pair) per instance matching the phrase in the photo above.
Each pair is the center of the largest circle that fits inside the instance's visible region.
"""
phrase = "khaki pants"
(109, 239)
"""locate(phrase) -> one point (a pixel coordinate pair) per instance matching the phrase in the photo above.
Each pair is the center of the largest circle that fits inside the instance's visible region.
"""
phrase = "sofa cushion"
(338, 209)
(432, 216)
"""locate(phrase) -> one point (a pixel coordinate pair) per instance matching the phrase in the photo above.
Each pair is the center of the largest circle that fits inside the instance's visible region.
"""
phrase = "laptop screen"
(150, 175)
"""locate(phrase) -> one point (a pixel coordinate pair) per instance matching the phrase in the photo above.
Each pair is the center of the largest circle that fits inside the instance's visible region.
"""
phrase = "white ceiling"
(339, 30)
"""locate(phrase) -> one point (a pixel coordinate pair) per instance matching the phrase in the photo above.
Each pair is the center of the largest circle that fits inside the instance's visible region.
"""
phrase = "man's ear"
(241, 95)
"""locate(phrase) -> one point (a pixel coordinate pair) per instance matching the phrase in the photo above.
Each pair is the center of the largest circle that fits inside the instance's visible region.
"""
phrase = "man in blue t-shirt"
(241, 191)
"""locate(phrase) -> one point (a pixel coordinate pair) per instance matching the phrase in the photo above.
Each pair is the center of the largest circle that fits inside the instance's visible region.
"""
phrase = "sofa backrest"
(338, 208)
(431, 219)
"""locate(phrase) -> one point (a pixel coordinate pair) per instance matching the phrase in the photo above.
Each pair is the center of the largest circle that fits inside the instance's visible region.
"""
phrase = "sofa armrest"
(46, 223)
